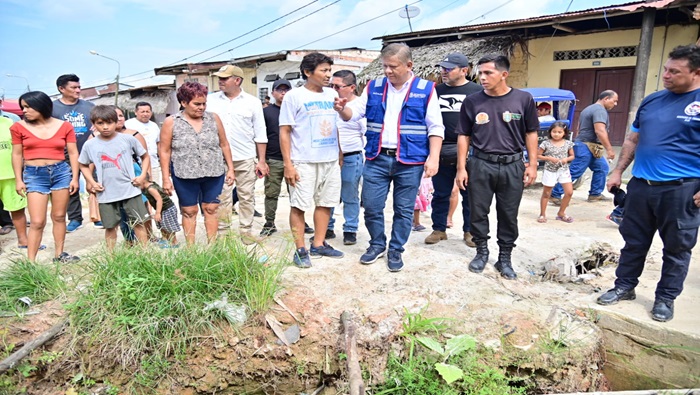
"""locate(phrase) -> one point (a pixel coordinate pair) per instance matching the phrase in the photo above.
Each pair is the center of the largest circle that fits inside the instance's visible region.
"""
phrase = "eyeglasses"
(282, 90)
(336, 87)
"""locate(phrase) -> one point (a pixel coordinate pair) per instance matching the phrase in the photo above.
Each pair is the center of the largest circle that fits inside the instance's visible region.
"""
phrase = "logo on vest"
(482, 118)
(417, 95)
(693, 109)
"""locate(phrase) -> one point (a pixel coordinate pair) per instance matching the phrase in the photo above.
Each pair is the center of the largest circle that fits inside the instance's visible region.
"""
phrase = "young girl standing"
(557, 152)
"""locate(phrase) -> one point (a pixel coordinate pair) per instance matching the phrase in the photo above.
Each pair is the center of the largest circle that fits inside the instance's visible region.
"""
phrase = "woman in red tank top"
(38, 161)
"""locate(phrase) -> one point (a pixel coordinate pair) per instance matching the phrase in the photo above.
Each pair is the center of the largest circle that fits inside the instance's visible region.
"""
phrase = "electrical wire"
(272, 31)
(359, 24)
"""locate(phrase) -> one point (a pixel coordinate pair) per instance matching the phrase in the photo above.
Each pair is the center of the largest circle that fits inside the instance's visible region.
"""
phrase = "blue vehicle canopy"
(563, 103)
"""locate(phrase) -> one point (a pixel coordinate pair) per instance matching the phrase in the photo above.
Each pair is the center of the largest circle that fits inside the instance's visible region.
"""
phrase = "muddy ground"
(435, 278)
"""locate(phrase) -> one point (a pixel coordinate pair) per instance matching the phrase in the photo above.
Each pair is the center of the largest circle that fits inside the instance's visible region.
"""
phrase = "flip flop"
(565, 218)
(541, 219)
(6, 229)
(41, 247)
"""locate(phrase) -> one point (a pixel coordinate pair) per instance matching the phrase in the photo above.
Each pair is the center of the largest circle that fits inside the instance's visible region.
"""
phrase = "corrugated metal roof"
(553, 18)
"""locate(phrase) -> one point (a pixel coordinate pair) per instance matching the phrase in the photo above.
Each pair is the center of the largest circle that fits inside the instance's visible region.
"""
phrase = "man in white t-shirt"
(151, 133)
(310, 151)
(242, 116)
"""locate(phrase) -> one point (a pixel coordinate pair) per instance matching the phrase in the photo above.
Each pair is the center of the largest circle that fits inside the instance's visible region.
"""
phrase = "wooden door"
(587, 85)
(619, 80)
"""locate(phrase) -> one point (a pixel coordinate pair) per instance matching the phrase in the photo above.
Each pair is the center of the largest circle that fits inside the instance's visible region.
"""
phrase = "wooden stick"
(357, 386)
(17, 356)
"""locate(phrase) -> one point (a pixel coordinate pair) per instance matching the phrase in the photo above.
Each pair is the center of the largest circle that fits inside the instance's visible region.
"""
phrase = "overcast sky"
(42, 39)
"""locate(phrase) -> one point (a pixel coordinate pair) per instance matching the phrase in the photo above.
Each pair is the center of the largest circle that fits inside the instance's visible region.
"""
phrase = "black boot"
(503, 265)
(478, 264)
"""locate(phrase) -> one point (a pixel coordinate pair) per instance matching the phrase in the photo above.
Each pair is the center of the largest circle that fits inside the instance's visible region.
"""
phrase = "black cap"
(277, 83)
(454, 60)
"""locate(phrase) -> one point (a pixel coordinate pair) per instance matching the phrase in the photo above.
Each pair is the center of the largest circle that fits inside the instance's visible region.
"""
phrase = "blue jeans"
(45, 179)
(350, 174)
(377, 176)
(443, 182)
(585, 160)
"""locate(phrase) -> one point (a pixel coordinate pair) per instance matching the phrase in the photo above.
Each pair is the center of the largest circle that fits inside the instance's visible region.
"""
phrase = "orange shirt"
(34, 147)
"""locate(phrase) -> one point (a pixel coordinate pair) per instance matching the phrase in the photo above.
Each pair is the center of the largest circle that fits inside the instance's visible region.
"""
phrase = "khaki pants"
(245, 182)
(273, 186)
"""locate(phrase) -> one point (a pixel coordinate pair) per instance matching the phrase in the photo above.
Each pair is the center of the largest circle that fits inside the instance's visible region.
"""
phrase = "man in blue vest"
(404, 137)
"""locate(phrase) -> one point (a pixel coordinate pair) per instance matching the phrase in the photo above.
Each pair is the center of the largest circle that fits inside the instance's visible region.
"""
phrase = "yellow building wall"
(543, 71)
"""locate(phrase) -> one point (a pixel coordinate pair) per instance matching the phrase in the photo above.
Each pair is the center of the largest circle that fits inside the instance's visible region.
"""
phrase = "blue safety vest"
(414, 145)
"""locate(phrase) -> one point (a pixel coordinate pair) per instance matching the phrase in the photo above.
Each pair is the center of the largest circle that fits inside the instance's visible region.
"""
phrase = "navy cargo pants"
(669, 209)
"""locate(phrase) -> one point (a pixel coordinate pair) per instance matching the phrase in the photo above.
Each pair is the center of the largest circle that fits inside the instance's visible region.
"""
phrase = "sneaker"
(349, 238)
(166, 244)
(373, 253)
(66, 258)
(435, 237)
(614, 219)
(257, 214)
(268, 229)
(301, 258)
(394, 262)
(418, 228)
(223, 226)
(325, 250)
(330, 234)
(247, 238)
(73, 225)
(307, 229)
(598, 198)
(555, 201)
(98, 225)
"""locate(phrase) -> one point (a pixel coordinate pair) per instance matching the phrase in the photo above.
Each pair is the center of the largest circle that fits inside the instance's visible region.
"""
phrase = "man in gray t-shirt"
(592, 137)
(76, 111)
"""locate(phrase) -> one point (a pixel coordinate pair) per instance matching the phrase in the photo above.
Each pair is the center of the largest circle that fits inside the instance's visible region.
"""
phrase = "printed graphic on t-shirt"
(322, 123)
(451, 103)
(693, 108)
(482, 118)
(78, 120)
(108, 161)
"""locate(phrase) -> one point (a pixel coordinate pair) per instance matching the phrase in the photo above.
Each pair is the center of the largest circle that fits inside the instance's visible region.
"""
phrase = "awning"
(11, 105)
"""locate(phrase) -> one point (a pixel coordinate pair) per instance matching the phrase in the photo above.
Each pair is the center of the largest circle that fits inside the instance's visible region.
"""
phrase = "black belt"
(351, 153)
(502, 159)
(679, 181)
(388, 151)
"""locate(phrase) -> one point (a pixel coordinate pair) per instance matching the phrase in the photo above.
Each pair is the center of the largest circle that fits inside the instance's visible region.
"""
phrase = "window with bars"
(264, 92)
(595, 53)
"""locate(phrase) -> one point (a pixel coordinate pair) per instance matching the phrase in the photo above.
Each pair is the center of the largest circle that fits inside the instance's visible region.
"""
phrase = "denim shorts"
(193, 191)
(44, 179)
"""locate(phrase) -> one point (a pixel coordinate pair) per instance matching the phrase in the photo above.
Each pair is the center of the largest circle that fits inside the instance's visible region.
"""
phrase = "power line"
(272, 31)
(226, 42)
(483, 15)
(359, 24)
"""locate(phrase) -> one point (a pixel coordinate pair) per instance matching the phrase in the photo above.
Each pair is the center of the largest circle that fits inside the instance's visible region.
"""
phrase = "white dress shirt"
(151, 133)
(394, 102)
(243, 122)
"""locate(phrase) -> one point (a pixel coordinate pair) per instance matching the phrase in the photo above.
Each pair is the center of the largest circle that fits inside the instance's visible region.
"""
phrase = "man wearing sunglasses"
(455, 86)
(351, 136)
(242, 116)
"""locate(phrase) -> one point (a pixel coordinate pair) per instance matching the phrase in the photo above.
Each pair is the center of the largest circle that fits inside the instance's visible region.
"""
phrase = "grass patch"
(23, 278)
(442, 365)
(147, 305)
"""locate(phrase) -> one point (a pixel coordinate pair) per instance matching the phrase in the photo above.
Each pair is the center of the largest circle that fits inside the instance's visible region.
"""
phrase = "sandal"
(41, 247)
(565, 218)
(541, 219)
(6, 229)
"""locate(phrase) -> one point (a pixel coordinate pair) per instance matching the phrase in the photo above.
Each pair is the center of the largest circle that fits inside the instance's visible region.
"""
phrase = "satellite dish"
(408, 12)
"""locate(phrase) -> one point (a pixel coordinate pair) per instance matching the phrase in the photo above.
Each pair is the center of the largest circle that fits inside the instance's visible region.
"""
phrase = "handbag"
(596, 149)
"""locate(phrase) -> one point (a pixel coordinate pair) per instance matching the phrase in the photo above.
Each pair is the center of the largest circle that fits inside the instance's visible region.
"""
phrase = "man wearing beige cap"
(242, 117)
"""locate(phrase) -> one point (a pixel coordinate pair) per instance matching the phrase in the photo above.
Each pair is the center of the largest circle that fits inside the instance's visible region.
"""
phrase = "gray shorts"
(135, 211)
